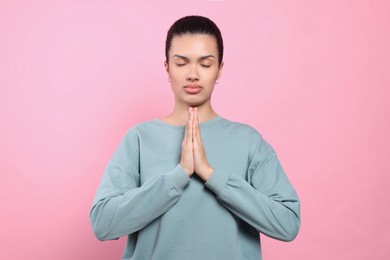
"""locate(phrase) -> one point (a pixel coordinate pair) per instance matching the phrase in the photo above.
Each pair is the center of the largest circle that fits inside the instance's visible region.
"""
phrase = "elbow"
(292, 224)
(286, 232)
(290, 236)
(291, 232)
(99, 227)
(100, 234)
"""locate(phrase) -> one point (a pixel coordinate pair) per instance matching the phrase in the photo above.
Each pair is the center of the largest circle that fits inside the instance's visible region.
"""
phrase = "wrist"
(206, 174)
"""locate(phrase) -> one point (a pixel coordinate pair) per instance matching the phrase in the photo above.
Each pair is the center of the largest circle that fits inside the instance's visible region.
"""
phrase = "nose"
(193, 74)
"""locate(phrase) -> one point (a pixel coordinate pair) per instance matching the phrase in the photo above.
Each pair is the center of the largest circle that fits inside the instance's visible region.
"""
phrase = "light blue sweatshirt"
(146, 195)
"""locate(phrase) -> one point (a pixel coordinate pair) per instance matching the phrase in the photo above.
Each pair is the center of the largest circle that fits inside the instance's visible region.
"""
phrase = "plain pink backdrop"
(311, 76)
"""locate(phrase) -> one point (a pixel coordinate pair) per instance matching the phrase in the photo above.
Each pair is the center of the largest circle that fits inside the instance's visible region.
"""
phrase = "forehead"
(193, 45)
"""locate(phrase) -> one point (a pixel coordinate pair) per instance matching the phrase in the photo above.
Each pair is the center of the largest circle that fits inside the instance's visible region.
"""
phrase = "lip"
(192, 86)
(192, 89)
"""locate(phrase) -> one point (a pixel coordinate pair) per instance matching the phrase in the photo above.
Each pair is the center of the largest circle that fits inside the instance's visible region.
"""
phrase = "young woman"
(194, 185)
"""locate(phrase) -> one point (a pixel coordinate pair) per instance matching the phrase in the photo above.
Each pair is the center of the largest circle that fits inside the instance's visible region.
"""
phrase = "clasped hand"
(193, 156)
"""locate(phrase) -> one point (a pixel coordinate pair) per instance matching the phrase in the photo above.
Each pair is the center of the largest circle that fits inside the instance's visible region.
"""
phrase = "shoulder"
(240, 128)
(245, 137)
(142, 126)
(248, 134)
(135, 131)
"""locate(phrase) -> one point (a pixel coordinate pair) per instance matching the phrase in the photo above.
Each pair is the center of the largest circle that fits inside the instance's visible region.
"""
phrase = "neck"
(179, 116)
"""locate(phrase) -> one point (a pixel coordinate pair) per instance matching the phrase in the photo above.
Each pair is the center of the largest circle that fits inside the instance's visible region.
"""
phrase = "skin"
(193, 156)
(186, 67)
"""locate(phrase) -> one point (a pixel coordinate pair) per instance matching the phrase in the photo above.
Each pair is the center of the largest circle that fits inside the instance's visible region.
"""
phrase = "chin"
(194, 103)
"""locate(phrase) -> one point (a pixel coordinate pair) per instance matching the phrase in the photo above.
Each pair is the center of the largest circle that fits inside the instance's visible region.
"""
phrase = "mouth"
(192, 89)
(193, 86)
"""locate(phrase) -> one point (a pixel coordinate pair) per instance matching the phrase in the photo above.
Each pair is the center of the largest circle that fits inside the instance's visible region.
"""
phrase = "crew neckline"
(179, 127)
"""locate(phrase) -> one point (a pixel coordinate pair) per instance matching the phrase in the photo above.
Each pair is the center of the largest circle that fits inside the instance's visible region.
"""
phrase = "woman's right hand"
(187, 154)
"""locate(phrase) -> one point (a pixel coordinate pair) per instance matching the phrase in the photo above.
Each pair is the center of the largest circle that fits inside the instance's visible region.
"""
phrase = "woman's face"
(193, 61)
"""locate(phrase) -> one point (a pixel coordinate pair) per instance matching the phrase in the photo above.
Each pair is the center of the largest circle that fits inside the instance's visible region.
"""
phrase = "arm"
(267, 201)
(121, 206)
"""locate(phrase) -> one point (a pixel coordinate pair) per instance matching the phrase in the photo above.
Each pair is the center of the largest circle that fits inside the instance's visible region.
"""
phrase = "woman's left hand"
(201, 165)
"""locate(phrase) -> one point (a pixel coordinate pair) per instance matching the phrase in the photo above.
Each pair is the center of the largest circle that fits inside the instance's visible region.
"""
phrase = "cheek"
(211, 76)
(177, 74)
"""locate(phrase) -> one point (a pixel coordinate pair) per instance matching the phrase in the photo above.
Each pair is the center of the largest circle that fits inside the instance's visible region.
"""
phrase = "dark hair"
(194, 24)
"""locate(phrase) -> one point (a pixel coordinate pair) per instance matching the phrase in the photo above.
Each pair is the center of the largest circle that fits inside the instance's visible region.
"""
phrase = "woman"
(194, 185)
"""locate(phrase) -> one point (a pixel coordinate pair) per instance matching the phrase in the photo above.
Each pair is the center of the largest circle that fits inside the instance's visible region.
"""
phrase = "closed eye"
(205, 66)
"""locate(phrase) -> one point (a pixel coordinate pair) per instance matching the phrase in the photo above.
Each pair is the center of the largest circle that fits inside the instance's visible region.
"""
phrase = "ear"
(166, 67)
(220, 70)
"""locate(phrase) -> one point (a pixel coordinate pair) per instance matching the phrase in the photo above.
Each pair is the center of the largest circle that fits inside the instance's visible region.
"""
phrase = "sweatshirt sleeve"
(266, 200)
(121, 206)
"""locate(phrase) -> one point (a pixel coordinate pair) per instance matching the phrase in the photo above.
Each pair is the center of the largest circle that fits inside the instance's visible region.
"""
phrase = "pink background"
(311, 76)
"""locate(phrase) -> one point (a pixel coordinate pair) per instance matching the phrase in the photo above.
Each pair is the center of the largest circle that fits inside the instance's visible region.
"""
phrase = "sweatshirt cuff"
(179, 177)
(217, 181)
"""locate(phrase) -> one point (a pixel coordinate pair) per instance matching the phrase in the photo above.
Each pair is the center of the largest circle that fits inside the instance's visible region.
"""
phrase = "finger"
(190, 127)
(196, 124)
(187, 128)
(197, 127)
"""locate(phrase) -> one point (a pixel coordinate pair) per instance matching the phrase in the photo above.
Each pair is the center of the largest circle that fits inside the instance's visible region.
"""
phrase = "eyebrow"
(185, 58)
